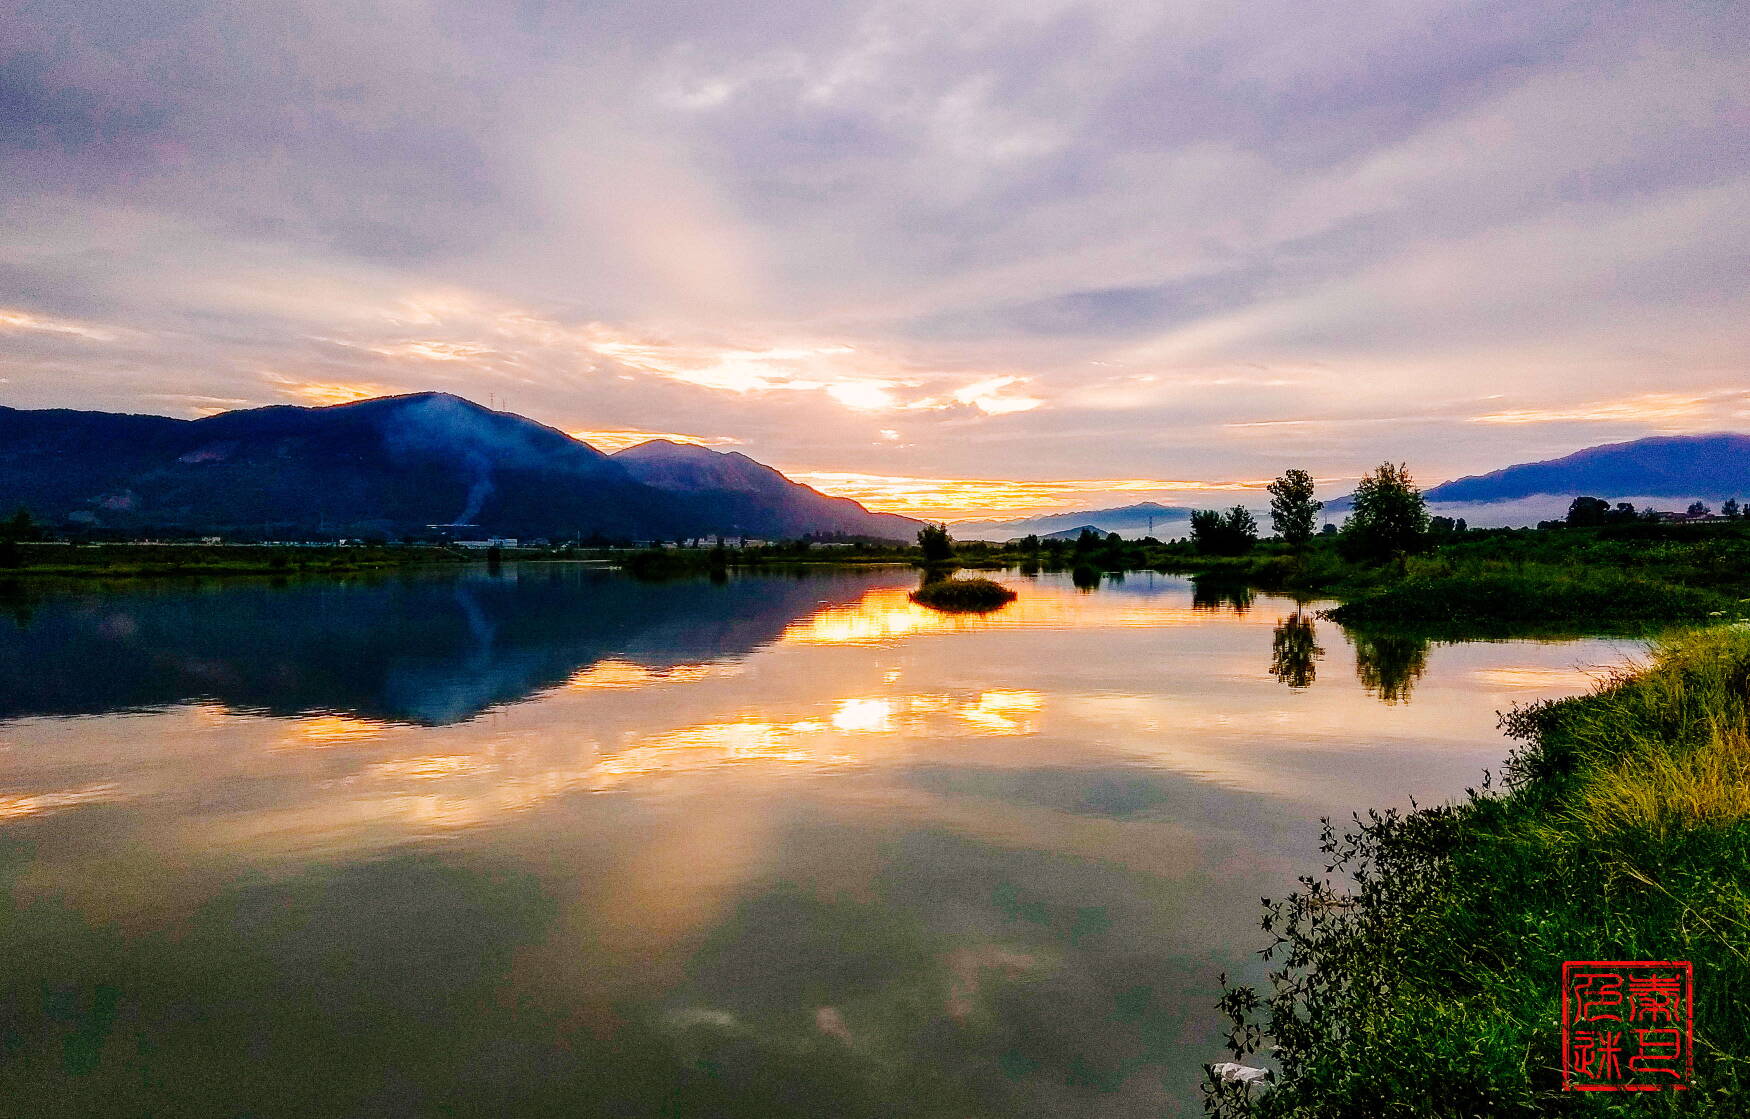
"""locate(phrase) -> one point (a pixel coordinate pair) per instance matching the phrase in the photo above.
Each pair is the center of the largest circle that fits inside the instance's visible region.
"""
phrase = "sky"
(955, 259)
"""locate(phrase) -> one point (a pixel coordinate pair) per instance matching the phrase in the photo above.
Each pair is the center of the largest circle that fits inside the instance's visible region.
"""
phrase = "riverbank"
(1420, 975)
(1506, 580)
(148, 560)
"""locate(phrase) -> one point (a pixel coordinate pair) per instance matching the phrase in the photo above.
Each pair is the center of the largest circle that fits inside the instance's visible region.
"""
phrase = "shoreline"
(1418, 975)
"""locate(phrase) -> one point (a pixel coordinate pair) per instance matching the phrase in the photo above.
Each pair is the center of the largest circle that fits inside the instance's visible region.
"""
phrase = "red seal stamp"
(1627, 1025)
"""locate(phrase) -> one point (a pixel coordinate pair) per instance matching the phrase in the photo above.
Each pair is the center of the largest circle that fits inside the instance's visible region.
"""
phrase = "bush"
(1232, 533)
(975, 596)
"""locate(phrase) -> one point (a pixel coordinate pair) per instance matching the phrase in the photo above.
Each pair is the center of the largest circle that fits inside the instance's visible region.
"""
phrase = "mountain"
(1125, 520)
(748, 493)
(1074, 534)
(389, 465)
(1664, 471)
(1672, 466)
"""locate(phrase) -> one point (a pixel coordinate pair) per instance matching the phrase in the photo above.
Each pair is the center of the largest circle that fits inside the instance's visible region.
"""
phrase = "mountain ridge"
(690, 468)
(1714, 465)
(1126, 520)
(1677, 468)
(389, 465)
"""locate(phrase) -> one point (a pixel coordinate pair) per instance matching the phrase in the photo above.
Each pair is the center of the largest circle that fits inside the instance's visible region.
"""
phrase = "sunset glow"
(952, 499)
(611, 441)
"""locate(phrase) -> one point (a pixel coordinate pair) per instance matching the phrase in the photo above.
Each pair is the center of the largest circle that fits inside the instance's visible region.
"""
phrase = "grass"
(1418, 975)
(1531, 581)
(975, 596)
(1442, 594)
(146, 560)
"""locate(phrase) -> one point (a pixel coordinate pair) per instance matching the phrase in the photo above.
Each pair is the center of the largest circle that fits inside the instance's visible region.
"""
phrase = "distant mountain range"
(1667, 470)
(1707, 466)
(1126, 520)
(393, 466)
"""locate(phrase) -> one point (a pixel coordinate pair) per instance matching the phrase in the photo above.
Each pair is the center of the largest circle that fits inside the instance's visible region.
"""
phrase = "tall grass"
(1418, 975)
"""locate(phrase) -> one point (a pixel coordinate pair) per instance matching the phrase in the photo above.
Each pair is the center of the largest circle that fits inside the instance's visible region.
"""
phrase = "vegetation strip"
(1419, 975)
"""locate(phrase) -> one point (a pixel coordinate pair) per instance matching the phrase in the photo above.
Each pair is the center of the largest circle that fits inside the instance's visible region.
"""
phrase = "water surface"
(550, 841)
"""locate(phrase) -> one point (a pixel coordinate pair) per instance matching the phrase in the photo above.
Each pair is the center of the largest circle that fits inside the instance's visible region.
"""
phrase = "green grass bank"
(148, 560)
(1492, 581)
(1419, 976)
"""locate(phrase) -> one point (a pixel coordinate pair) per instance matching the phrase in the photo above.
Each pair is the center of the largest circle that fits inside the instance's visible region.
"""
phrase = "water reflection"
(422, 649)
(1294, 651)
(1220, 594)
(1388, 665)
(775, 847)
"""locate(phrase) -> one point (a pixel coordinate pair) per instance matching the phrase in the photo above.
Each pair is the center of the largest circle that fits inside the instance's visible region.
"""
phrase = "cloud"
(613, 440)
(320, 393)
(1067, 238)
(12, 321)
(963, 498)
(1661, 411)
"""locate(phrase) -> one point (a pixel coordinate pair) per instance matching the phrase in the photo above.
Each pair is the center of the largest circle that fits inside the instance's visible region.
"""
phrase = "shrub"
(976, 596)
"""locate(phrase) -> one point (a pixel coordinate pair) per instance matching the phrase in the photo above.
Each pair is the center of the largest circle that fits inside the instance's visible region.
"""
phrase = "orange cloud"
(618, 439)
(860, 380)
(431, 351)
(13, 321)
(319, 392)
(1667, 411)
(964, 498)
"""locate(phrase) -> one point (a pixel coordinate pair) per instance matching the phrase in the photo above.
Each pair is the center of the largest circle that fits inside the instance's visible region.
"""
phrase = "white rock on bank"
(1232, 1072)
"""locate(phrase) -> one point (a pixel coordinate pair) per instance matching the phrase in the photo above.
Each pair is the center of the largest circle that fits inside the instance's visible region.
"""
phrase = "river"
(548, 841)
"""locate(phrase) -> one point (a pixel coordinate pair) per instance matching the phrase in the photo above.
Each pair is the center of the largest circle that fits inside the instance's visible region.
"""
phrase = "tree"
(1588, 511)
(1205, 530)
(1699, 509)
(1292, 508)
(936, 544)
(1730, 508)
(1622, 512)
(1390, 518)
(1241, 527)
(22, 526)
(1224, 534)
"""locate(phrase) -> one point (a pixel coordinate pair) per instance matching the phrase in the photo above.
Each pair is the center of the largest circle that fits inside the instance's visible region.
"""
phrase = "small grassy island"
(963, 596)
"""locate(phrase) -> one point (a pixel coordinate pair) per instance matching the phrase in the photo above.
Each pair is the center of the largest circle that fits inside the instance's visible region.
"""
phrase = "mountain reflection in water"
(555, 842)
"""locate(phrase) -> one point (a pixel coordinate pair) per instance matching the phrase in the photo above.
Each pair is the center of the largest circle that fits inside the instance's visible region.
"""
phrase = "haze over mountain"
(1715, 466)
(393, 466)
(1126, 520)
(1670, 470)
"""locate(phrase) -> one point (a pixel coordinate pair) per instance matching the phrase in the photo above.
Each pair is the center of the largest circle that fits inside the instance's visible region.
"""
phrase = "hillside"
(387, 466)
(748, 496)
(1671, 466)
